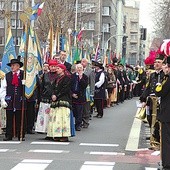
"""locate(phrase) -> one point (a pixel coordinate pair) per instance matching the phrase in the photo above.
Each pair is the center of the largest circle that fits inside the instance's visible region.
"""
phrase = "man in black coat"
(149, 99)
(12, 98)
(63, 56)
(163, 91)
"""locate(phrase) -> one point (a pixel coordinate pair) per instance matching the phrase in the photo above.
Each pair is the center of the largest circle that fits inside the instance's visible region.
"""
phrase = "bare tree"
(60, 12)
(161, 18)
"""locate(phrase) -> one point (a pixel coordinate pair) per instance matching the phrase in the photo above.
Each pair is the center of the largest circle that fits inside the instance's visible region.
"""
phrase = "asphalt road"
(115, 142)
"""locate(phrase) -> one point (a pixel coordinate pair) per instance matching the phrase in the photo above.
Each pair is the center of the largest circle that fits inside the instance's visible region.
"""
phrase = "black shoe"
(7, 139)
(30, 132)
(78, 129)
(85, 126)
(23, 139)
(147, 138)
(48, 138)
(96, 115)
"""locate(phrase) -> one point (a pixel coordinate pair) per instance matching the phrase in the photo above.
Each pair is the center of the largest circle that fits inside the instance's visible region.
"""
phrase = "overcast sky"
(145, 14)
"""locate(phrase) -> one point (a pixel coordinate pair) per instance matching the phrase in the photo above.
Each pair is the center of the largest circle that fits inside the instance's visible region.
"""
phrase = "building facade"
(133, 33)
(99, 18)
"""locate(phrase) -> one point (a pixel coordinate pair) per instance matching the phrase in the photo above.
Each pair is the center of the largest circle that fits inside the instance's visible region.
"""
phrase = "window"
(134, 37)
(20, 6)
(90, 25)
(106, 27)
(18, 42)
(133, 47)
(13, 6)
(134, 26)
(88, 7)
(1, 23)
(2, 40)
(13, 23)
(106, 10)
(20, 24)
(1, 5)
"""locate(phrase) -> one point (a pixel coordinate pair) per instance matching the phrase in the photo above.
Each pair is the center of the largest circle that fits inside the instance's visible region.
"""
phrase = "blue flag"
(9, 52)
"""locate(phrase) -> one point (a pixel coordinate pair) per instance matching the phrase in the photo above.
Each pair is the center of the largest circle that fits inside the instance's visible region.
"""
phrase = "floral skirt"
(42, 118)
(59, 122)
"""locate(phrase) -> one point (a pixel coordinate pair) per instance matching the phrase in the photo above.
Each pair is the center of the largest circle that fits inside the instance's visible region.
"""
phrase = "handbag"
(141, 113)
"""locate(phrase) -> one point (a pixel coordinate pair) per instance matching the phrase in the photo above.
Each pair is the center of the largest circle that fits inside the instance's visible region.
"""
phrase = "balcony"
(133, 51)
(134, 20)
(133, 41)
(134, 30)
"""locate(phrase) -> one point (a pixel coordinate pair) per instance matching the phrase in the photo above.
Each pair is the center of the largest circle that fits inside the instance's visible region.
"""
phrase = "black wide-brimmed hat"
(15, 61)
(97, 63)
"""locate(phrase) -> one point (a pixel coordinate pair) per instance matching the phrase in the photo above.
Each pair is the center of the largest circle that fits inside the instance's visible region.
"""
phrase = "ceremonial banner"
(9, 52)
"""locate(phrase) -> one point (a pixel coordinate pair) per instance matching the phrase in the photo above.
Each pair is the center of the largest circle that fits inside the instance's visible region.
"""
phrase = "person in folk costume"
(46, 89)
(130, 79)
(89, 72)
(12, 98)
(60, 117)
(45, 67)
(79, 82)
(99, 93)
(111, 83)
(31, 110)
(122, 85)
(140, 80)
(149, 99)
(162, 90)
(2, 123)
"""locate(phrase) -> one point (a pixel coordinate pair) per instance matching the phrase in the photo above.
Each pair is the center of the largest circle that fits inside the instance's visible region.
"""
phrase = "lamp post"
(76, 22)
(103, 44)
(110, 39)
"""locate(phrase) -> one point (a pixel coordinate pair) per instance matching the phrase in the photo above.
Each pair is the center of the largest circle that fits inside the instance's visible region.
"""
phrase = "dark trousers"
(99, 106)
(9, 123)
(78, 113)
(86, 113)
(165, 133)
(30, 115)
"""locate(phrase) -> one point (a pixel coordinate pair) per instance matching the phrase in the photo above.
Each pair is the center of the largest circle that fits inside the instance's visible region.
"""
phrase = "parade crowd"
(66, 96)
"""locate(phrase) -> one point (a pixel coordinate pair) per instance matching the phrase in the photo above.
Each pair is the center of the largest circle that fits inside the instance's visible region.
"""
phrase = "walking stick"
(24, 78)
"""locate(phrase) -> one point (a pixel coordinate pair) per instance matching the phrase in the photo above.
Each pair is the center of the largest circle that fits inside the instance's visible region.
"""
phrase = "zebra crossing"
(42, 164)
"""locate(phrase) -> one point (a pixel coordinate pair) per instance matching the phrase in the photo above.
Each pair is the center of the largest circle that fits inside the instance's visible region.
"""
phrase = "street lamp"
(103, 44)
(109, 40)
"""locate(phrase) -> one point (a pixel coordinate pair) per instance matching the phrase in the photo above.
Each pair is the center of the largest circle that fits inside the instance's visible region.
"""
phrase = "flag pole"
(24, 78)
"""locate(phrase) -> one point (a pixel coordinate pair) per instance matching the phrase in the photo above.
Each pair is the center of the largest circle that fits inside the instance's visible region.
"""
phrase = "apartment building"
(10, 10)
(133, 33)
(99, 18)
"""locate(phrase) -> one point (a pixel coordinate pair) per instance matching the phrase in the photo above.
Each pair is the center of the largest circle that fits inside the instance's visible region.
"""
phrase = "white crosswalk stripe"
(88, 165)
(48, 151)
(28, 164)
(50, 143)
(98, 144)
(104, 153)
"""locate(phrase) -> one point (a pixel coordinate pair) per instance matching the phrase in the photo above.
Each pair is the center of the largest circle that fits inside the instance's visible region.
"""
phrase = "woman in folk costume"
(111, 83)
(60, 116)
(46, 89)
(2, 110)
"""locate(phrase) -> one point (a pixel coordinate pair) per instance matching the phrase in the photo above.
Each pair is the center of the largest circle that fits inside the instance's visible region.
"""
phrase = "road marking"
(143, 149)
(147, 168)
(104, 153)
(48, 151)
(10, 142)
(29, 164)
(98, 165)
(36, 161)
(4, 150)
(97, 144)
(133, 140)
(50, 143)
(156, 153)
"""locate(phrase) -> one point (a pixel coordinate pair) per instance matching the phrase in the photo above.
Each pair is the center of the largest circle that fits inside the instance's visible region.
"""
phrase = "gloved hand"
(23, 82)
(3, 103)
